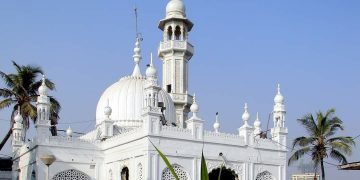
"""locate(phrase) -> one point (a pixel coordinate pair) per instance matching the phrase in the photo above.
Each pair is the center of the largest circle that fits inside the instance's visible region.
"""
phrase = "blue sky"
(243, 49)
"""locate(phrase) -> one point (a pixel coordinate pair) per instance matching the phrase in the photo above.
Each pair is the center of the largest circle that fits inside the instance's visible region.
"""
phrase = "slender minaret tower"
(279, 131)
(175, 52)
(17, 133)
(43, 112)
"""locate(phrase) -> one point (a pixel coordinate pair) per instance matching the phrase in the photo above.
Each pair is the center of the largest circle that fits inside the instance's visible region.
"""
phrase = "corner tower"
(175, 52)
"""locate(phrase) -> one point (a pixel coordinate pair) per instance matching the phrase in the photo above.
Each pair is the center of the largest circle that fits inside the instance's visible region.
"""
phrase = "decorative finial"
(107, 110)
(257, 125)
(279, 98)
(194, 107)
(151, 71)
(217, 124)
(246, 115)
(137, 58)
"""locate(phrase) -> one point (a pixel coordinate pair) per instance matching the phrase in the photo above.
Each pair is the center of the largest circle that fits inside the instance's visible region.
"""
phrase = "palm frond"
(6, 103)
(6, 92)
(338, 156)
(298, 154)
(303, 141)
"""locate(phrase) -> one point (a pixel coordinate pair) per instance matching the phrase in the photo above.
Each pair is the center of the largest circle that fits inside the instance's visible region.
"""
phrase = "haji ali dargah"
(138, 110)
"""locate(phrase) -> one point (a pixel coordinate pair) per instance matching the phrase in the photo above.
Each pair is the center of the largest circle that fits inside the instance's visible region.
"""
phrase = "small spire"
(151, 71)
(278, 89)
(43, 89)
(18, 118)
(217, 124)
(137, 58)
(279, 98)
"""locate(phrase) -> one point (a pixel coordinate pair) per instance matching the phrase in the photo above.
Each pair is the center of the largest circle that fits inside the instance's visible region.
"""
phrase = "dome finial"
(18, 118)
(257, 125)
(246, 115)
(194, 107)
(43, 89)
(107, 110)
(69, 132)
(217, 124)
(137, 57)
(151, 70)
(279, 98)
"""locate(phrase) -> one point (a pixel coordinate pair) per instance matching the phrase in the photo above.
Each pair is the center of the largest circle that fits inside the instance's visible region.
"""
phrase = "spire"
(246, 116)
(69, 132)
(217, 124)
(137, 58)
(279, 98)
(18, 118)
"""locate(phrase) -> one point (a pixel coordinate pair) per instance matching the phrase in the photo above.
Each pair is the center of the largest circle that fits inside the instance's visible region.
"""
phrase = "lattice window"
(180, 172)
(71, 174)
(266, 175)
(140, 171)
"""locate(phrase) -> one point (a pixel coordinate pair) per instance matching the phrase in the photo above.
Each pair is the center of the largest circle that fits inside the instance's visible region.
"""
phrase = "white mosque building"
(137, 111)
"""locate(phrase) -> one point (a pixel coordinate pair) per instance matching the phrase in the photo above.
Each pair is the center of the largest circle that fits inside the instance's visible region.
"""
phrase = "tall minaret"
(175, 52)
(279, 131)
(43, 112)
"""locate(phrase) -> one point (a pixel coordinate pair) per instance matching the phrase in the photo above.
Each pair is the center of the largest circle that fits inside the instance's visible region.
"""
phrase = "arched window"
(177, 33)
(266, 175)
(33, 175)
(125, 173)
(182, 174)
(170, 32)
(71, 174)
(226, 173)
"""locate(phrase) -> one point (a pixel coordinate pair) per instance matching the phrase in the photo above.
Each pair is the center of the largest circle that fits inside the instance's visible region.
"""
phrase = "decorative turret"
(107, 126)
(246, 130)
(217, 124)
(152, 88)
(17, 131)
(175, 51)
(195, 124)
(69, 132)
(43, 112)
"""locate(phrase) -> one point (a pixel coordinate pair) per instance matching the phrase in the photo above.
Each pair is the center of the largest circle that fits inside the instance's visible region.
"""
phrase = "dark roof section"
(5, 164)
(350, 166)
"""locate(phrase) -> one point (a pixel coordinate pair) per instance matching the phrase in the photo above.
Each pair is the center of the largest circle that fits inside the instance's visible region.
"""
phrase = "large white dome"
(126, 98)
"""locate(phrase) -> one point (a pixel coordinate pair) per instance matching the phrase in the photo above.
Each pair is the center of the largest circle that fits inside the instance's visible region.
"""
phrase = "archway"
(226, 174)
(125, 173)
(266, 175)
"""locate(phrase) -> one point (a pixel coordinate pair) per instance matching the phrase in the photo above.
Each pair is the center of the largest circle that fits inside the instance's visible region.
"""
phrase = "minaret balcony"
(174, 46)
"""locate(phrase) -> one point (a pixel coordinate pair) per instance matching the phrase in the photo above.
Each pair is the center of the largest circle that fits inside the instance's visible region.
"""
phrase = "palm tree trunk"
(322, 170)
(3, 142)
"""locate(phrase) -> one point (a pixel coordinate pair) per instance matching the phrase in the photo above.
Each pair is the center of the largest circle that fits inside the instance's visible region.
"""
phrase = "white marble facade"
(130, 116)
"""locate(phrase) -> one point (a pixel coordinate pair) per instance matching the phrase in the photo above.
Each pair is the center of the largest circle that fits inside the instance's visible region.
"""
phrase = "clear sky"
(243, 49)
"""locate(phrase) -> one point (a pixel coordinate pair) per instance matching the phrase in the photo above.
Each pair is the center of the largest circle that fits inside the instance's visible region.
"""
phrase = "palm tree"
(21, 91)
(321, 141)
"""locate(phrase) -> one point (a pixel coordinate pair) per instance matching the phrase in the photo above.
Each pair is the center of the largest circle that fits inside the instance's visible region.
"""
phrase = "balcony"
(175, 45)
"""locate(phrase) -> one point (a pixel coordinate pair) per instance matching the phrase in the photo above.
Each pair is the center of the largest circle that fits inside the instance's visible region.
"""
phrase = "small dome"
(175, 8)
(257, 123)
(43, 89)
(151, 70)
(246, 115)
(194, 108)
(127, 101)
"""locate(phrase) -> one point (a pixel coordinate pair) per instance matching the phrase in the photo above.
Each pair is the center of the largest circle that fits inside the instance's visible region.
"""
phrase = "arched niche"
(226, 173)
(72, 174)
(180, 172)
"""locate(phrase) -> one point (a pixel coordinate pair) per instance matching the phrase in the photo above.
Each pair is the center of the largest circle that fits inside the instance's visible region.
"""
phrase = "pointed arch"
(71, 174)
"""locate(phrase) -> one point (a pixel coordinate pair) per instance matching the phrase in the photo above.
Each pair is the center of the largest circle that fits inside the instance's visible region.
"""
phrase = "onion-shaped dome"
(43, 89)
(279, 98)
(126, 99)
(175, 8)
